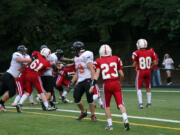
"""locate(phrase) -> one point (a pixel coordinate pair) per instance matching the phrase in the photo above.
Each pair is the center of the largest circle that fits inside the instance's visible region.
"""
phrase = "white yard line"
(114, 115)
(160, 91)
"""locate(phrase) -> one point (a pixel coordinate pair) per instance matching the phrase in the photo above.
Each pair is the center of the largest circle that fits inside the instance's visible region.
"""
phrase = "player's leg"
(89, 97)
(119, 101)
(107, 98)
(138, 84)
(66, 91)
(96, 96)
(148, 89)
(39, 87)
(9, 84)
(20, 91)
(78, 92)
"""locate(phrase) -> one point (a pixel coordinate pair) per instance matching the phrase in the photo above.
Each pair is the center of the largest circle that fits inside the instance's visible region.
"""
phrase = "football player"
(143, 61)
(84, 75)
(48, 79)
(8, 87)
(38, 65)
(20, 83)
(110, 67)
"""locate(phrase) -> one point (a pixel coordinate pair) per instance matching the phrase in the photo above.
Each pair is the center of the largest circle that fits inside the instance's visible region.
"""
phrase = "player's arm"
(91, 67)
(73, 80)
(23, 60)
(66, 59)
(69, 65)
(94, 81)
(121, 73)
(134, 63)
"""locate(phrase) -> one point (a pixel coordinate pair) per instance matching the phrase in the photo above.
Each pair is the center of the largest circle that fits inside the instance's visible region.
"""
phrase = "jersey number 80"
(145, 62)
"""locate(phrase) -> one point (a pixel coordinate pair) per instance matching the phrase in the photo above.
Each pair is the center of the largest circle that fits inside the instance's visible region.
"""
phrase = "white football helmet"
(45, 52)
(105, 50)
(141, 43)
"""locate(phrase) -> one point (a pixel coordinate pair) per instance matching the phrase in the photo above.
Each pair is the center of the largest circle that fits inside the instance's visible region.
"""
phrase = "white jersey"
(15, 67)
(168, 63)
(81, 65)
(52, 59)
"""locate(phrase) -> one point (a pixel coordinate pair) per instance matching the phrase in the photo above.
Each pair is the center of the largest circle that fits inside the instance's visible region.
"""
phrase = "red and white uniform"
(109, 67)
(20, 80)
(61, 78)
(33, 72)
(144, 59)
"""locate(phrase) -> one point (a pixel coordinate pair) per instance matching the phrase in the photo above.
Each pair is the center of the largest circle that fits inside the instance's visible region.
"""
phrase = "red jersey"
(143, 59)
(156, 58)
(109, 67)
(39, 65)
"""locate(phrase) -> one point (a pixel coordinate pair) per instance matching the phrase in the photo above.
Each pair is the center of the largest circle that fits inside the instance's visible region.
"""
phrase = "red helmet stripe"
(105, 50)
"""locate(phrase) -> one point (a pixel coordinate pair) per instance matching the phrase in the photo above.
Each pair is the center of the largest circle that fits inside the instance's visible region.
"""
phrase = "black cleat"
(141, 106)
(19, 108)
(2, 108)
(82, 115)
(148, 105)
(109, 128)
(126, 126)
(43, 107)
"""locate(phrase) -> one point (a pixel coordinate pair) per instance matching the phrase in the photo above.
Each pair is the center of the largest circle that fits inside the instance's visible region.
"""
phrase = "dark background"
(119, 23)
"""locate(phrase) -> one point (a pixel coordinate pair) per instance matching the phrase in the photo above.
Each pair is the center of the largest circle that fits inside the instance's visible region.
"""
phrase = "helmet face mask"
(141, 44)
(77, 47)
(45, 52)
(105, 50)
(22, 49)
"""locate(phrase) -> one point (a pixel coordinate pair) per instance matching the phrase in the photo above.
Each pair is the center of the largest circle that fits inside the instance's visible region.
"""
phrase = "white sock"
(148, 97)
(125, 119)
(23, 98)
(31, 98)
(109, 122)
(99, 101)
(46, 104)
(139, 95)
(17, 99)
(64, 93)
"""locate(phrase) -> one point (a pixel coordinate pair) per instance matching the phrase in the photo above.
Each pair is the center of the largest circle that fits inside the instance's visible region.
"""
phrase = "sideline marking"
(115, 115)
(101, 120)
(159, 91)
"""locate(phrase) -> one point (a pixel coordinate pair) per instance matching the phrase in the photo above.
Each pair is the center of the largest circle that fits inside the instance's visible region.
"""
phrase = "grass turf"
(37, 122)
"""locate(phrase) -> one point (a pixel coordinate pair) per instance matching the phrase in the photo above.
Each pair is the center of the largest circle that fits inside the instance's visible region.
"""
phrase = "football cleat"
(102, 107)
(49, 109)
(65, 100)
(141, 106)
(109, 127)
(43, 107)
(93, 118)
(2, 108)
(148, 105)
(19, 108)
(82, 115)
(126, 126)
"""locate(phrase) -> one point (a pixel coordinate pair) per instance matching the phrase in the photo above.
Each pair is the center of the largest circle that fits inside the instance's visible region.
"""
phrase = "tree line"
(119, 23)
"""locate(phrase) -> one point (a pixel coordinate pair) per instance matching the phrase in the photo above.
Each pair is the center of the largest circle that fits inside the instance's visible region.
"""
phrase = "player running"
(110, 66)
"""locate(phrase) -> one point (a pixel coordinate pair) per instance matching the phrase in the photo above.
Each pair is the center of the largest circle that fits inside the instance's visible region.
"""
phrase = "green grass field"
(165, 105)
